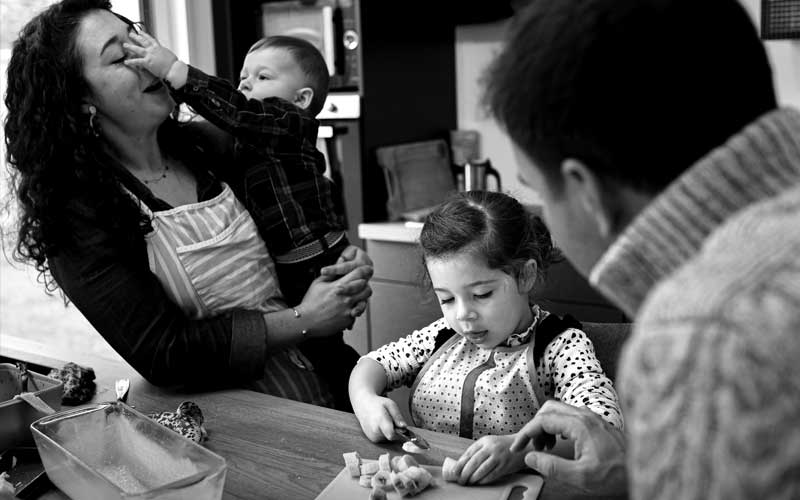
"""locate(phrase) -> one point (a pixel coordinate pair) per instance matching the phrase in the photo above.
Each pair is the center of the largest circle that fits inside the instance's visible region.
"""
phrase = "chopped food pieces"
(382, 479)
(377, 494)
(412, 448)
(385, 462)
(449, 470)
(353, 462)
(365, 481)
(369, 468)
(399, 473)
(405, 462)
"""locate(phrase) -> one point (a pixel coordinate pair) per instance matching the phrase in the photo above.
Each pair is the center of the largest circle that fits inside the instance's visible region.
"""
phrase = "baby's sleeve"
(403, 358)
(576, 377)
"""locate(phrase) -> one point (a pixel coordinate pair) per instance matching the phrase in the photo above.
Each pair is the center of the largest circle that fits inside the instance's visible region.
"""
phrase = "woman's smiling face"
(483, 305)
(127, 99)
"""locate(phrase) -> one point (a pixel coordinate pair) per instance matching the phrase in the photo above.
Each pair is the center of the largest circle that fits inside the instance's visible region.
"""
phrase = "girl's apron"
(210, 259)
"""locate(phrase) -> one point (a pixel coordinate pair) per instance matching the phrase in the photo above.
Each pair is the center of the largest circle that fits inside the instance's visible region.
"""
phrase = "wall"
(477, 44)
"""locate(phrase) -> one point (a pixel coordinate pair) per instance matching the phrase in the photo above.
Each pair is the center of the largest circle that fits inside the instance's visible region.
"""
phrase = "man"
(669, 177)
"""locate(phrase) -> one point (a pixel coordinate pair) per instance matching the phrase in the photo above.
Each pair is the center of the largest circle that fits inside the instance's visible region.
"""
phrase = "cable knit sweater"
(710, 379)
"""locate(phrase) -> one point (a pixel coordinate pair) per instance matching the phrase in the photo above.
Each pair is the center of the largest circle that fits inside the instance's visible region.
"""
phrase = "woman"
(120, 209)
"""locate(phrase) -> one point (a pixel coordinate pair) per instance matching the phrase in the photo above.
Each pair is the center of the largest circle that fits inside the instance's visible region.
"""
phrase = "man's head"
(286, 67)
(609, 101)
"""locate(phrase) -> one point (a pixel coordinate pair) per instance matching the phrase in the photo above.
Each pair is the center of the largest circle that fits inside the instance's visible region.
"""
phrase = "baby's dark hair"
(491, 225)
(310, 61)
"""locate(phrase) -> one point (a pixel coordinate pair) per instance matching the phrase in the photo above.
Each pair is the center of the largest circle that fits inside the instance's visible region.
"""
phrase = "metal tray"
(16, 415)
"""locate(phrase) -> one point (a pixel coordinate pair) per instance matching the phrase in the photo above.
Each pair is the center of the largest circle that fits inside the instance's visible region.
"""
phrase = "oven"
(339, 140)
(330, 25)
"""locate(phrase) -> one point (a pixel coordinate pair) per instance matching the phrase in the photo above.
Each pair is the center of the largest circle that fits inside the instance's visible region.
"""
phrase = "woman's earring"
(92, 116)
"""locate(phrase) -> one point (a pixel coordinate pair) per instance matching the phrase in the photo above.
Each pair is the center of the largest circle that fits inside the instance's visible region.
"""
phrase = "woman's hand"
(330, 304)
(489, 459)
(350, 258)
(378, 416)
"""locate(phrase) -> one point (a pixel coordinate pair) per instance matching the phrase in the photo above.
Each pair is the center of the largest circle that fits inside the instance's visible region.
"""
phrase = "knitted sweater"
(710, 379)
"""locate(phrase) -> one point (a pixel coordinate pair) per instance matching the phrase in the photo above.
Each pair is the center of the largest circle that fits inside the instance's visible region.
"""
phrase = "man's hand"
(599, 463)
(148, 54)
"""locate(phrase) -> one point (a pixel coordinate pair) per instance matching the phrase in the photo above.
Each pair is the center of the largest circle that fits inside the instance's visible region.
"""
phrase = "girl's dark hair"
(54, 158)
(310, 61)
(491, 225)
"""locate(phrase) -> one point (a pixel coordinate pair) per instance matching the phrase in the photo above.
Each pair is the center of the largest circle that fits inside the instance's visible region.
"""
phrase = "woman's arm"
(127, 305)
(116, 292)
(327, 308)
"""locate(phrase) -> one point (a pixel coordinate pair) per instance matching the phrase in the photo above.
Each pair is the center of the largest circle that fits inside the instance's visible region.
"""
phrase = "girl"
(484, 254)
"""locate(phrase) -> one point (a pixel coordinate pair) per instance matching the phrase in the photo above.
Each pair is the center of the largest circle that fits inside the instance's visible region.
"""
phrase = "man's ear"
(528, 276)
(586, 187)
(303, 97)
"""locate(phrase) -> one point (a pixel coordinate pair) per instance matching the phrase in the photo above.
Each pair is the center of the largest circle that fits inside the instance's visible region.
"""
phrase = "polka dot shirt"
(465, 390)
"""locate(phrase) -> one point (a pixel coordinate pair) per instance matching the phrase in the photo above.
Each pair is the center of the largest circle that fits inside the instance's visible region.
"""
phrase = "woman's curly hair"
(54, 158)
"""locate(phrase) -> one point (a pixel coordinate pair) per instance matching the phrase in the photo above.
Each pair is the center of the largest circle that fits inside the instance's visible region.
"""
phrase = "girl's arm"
(577, 377)
(377, 414)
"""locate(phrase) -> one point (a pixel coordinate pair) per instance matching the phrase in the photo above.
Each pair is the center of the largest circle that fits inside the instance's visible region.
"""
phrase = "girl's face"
(483, 305)
(130, 100)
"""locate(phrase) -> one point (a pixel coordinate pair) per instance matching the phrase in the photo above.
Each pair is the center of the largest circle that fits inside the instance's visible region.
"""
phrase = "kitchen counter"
(401, 232)
(274, 448)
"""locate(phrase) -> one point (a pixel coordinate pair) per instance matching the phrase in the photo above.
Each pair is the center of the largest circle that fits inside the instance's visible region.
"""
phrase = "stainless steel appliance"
(330, 25)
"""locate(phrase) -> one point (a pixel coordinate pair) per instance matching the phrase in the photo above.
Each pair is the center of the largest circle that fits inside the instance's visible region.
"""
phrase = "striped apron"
(210, 259)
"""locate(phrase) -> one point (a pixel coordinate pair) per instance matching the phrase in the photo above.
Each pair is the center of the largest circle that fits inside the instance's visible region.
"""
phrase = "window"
(29, 318)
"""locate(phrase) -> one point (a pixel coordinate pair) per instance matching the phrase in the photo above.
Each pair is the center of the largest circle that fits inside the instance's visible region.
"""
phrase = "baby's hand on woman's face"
(148, 54)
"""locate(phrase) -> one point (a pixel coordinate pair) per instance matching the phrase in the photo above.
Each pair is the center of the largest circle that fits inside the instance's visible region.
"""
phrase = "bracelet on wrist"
(303, 332)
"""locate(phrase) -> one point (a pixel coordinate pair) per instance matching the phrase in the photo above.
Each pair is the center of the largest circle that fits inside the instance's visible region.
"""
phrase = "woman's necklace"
(159, 178)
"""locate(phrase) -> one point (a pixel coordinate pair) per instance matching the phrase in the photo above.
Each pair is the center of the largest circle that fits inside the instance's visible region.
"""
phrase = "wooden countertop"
(275, 448)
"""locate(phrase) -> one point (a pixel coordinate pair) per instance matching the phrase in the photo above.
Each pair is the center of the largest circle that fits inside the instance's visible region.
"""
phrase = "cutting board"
(345, 487)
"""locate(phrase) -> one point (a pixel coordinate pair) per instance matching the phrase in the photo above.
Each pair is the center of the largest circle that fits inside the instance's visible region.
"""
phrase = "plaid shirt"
(278, 170)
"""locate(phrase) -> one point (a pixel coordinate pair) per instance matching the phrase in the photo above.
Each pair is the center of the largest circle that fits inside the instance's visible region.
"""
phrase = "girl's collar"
(524, 337)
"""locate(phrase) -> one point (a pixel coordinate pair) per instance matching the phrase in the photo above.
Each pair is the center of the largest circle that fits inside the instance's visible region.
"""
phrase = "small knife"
(411, 437)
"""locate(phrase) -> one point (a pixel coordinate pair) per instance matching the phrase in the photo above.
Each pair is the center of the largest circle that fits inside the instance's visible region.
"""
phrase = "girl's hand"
(378, 417)
(489, 459)
(148, 54)
(330, 304)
